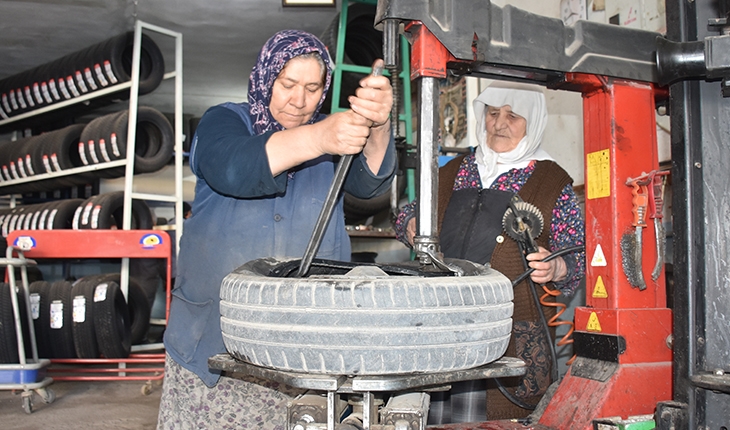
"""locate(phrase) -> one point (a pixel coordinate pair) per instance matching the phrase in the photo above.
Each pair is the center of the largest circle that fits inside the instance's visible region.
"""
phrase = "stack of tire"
(103, 211)
(103, 140)
(91, 69)
(89, 318)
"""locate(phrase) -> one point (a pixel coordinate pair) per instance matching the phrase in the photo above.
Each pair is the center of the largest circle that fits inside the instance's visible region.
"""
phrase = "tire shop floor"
(82, 405)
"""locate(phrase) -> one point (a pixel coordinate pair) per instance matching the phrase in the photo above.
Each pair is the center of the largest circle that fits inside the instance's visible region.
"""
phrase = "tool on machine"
(631, 244)
(656, 197)
(524, 222)
(329, 202)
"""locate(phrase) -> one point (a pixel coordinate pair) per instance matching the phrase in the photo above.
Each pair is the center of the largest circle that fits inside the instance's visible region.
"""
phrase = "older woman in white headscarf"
(474, 193)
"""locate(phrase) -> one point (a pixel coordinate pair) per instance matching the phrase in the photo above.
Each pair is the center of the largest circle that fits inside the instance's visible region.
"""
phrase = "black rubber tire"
(61, 320)
(112, 322)
(40, 310)
(8, 336)
(154, 142)
(365, 322)
(84, 331)
(61, 216)
(363, 45)
(109, 209)
(137, 303)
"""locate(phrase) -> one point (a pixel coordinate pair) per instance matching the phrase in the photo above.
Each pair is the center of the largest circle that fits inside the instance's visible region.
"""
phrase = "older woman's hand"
(546, 271)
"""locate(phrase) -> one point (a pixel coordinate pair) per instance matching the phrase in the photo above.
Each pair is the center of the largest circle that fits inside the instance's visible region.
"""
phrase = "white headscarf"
(526, 100)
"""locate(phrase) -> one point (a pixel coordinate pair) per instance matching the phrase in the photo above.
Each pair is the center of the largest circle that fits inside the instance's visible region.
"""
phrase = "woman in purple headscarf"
(263, 169)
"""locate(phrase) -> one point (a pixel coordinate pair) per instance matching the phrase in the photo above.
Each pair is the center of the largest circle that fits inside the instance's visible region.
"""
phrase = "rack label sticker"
(108, 68)
(598, 174)
(29, 164)
(100, 75)
(35, 305)
(599, 259)
(150, 240)
(593, 323)
(82, 154)
(24, 243)
(90, 79)
(56, 314)
(102, 149)
(599, 291)
(100, 292)
(54, 90)
(79, 311)
(92, 152)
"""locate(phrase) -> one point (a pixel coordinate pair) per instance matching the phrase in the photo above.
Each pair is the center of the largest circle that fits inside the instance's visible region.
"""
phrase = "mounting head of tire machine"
(623, 334)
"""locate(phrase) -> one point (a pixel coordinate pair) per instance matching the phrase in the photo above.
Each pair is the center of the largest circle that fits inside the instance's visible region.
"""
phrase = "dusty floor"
(85, 405)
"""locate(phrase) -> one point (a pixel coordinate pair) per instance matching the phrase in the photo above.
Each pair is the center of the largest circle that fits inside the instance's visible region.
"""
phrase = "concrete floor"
(118, 405)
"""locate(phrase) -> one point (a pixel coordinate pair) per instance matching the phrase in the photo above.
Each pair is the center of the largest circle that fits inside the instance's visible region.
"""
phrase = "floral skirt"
(237, 401)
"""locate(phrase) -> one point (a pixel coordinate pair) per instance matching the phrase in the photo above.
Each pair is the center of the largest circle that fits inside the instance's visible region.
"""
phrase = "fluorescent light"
(329, 3)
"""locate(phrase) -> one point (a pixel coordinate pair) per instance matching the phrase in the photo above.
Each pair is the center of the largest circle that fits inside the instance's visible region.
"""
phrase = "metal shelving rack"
(122, 243)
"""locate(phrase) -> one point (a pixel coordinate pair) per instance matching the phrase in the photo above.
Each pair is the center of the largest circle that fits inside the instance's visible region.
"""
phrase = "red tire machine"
(623, 337)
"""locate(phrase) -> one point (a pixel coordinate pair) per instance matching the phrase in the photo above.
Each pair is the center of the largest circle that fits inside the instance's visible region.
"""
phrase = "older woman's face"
(297, 91)
(505, 129)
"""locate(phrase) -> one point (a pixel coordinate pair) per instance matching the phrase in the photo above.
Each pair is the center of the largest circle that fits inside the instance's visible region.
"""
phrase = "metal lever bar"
(329, 203)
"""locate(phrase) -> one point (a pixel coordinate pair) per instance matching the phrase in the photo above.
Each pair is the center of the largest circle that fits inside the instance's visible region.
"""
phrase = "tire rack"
(80, 244)
(133, 86)
(69, 244)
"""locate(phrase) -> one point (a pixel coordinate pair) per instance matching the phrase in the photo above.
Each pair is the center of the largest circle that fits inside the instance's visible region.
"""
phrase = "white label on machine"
(35, 305)
(56, 314)
(100, 292)
(79, 312)
(599, 259)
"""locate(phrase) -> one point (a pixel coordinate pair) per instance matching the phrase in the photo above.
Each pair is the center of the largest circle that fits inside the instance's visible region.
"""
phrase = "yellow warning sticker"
(599, 291)
(599, 259)
(593, 324)
(598, 174)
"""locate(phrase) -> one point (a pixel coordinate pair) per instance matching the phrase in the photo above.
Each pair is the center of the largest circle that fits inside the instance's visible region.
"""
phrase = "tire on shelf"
(108, 212)
(84, 331)
(82, 215)
(363, 45)
(62, 214)
(41, 313)
(358, 320)
(155, 139)
(8, 336)
(152, 63)
(61, 320)
(139, 307)
(111, 320)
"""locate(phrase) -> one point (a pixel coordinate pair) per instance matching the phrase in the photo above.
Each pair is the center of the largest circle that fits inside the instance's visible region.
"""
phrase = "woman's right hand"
(343, 133)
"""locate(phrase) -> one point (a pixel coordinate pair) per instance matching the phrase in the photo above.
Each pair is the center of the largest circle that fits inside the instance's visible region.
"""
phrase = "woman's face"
(505, 129)
(297, 91)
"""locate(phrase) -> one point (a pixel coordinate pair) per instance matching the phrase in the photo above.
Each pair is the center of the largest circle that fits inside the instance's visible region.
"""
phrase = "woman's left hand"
(550, 271)
(373, 99)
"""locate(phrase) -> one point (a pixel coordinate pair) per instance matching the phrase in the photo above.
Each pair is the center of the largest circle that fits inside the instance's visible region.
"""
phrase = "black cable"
(541, 315)
(552, 256)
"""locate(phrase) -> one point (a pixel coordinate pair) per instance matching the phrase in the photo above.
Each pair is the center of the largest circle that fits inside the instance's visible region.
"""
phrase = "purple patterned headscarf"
(280, 48)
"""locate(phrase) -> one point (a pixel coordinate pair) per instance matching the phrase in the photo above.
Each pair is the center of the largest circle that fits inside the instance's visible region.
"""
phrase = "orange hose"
(554, 322)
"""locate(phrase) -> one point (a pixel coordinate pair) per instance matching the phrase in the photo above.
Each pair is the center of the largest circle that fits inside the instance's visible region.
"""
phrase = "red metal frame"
(61, 244)
(620, 143)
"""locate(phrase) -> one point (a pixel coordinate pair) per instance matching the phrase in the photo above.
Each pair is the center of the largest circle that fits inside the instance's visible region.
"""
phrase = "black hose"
(543, 321)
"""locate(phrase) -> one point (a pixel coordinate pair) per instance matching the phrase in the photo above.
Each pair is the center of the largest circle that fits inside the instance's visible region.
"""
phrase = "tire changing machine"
(623, 336)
